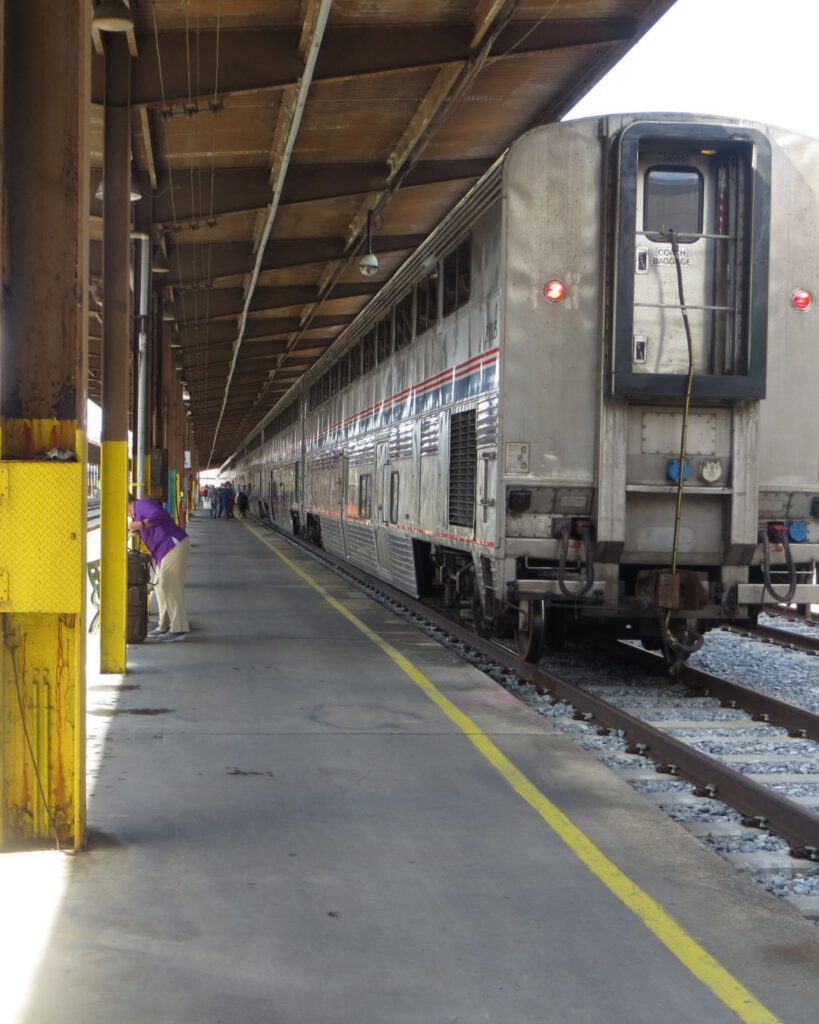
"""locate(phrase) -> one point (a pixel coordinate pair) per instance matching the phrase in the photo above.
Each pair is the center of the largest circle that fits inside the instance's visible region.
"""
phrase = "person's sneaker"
(172, 637)
(156, 633)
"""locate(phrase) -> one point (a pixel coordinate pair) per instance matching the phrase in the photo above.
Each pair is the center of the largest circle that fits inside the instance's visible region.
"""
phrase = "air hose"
(696, 642)
(585, 535)
(689, 387)
(768, 587)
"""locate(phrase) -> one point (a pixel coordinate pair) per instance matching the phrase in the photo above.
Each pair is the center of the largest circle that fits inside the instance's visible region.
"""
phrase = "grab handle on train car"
(583, 528)
(777, 533)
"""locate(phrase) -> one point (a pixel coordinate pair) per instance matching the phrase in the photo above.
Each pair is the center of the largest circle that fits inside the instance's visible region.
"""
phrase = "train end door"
(691, 261)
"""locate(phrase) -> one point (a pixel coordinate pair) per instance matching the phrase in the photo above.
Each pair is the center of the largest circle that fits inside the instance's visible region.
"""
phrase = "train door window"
(365, 496)
(672, 201)
(334, 376)
(368, 351)
(403, 322)
(355, 363)
(426, 302)
(383, 333)
(394, 481)
(344, 370)
(457, 277)
(325, 387)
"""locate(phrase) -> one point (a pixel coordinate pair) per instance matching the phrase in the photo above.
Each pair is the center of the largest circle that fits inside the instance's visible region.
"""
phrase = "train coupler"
(670, 591)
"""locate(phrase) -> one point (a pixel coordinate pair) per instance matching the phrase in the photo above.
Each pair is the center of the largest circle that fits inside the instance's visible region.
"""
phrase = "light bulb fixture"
(159, 262)
(134, 193)
(368, 264)
(112, 16)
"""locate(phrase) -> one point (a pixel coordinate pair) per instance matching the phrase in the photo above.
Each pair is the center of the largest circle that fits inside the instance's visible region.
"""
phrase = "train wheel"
(530, 636)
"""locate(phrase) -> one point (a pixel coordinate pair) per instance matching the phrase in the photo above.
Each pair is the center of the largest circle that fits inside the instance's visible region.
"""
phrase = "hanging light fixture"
(135, 192)
(159, 262)
(368, 264)
(113, 16)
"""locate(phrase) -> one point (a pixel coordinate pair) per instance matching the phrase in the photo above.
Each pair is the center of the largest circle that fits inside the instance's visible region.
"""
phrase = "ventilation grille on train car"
(463, 465)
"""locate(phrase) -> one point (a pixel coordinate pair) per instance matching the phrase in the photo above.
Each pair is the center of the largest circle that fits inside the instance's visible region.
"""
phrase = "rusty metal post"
(116, 334)
(43, 381)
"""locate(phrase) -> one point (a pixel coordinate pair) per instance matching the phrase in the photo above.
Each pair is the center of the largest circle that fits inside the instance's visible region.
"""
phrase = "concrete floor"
(287, 830)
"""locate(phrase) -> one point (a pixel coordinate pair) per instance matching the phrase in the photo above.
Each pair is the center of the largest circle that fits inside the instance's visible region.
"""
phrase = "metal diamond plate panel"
(42, 537)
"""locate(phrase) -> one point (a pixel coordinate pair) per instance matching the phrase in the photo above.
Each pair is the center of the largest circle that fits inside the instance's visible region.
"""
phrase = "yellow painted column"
(116, 334)
(44, 176)
(42, 657)
(113, 555)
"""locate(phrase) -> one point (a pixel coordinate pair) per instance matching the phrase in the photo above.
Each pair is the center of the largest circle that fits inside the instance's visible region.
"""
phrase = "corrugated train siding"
(403, 563)
(331, 535)
(361, 545)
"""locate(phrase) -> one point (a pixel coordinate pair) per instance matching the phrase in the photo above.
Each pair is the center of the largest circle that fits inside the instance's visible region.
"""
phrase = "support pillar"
(43, 457)
(116, 334)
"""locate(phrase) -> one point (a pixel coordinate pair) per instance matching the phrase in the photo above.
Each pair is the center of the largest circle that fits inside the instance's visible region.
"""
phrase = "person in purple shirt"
(169, 546)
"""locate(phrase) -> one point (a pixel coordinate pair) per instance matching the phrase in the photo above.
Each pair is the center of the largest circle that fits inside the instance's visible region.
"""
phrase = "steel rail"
(780, 637)
(762, 807)
(764, 708)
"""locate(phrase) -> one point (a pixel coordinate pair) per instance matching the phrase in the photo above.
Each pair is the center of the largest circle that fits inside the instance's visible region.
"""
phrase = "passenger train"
(588, 400)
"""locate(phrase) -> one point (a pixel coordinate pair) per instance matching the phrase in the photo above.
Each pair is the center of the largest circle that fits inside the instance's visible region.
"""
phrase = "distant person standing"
(242, 502)
(227, 500)
(169, 546)
(212, 500)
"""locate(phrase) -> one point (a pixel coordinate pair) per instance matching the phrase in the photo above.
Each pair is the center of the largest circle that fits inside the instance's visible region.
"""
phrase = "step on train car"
(588, 400)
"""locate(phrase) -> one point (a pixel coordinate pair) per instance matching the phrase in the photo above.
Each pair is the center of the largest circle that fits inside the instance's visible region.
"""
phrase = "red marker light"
(555, 291)
(801, 299)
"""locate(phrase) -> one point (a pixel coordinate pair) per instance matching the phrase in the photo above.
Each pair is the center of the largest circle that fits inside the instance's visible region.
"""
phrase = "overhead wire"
(301, 99)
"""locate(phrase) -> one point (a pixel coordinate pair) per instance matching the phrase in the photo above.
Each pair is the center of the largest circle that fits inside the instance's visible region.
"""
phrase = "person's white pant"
(170, 589)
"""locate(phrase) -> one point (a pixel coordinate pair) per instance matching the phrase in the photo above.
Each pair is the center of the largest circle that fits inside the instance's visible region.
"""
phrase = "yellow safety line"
(674, 937)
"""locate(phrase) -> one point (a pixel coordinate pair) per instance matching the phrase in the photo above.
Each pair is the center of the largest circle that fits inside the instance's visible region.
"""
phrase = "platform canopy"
(264, 131)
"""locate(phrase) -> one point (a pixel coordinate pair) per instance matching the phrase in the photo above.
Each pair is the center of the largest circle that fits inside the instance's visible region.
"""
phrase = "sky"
(756, 59)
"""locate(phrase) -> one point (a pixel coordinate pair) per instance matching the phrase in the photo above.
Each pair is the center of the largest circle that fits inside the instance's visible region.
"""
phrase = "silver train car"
(588, 400)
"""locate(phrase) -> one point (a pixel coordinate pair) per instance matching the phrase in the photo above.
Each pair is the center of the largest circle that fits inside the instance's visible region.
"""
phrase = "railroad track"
(781, 636)
(761, 806)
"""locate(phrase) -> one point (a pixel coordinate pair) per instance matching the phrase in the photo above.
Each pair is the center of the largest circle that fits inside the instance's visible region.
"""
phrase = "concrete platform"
(290, 827)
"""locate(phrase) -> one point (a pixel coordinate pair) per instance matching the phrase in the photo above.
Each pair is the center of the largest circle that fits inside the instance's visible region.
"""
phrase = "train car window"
(355, 363)
(672, 200)
(457, 277)
(426, 302)
(344, 370)
(403, 321)
(394, 481)
(368, 351)
(365, 496)
(450, 282)
(313, 397)
(383, 335)
(334, 376)
(464, 271)
(325, 387)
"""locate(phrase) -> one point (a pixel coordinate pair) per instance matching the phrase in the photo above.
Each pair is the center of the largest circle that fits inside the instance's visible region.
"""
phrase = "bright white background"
(756, 59)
